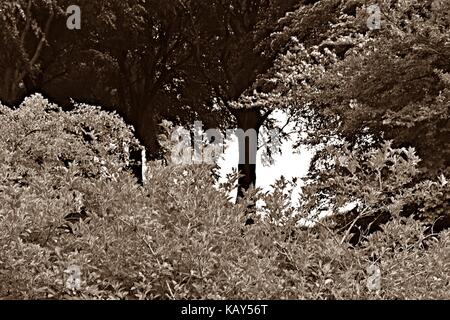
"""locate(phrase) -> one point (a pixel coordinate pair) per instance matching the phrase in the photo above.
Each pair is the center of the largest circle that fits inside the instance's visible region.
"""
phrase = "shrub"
(176, 237)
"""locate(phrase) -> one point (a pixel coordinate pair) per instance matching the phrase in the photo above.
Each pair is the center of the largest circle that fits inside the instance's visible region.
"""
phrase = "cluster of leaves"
(350, 89)
(155, 242)
(38, 137)
(382, 183)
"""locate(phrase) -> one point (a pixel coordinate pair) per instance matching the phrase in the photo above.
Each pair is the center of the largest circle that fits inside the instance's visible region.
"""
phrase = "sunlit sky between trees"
(290, 163)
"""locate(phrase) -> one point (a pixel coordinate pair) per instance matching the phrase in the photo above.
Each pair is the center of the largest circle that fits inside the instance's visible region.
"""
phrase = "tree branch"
(40, 45)
(27, 24)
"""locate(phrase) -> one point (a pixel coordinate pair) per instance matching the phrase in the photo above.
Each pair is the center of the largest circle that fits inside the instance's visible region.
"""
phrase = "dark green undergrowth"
(177, 237)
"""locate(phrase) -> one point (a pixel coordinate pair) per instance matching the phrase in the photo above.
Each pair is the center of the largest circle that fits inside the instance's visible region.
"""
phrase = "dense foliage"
(133, 242)
(373, 103)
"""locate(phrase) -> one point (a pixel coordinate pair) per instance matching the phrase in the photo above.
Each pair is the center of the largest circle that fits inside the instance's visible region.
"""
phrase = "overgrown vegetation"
(374, 103)
(68, 197)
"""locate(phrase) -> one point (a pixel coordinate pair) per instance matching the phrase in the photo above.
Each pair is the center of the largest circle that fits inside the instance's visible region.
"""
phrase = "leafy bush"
(177, 236)
(383, 182)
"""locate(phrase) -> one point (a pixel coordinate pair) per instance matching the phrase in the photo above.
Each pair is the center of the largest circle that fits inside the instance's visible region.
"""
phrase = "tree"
(41, 54)
(202, 52)
(351, 88)
(255, 104)
(232, 48)
(25, 38)
(179, 60)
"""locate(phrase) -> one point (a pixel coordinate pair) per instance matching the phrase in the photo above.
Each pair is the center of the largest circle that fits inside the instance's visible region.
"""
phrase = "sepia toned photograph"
(224, 150)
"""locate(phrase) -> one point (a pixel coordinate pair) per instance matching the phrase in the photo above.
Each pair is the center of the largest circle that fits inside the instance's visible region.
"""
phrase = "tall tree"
(351, 88)
(234, 46)
(174, 60)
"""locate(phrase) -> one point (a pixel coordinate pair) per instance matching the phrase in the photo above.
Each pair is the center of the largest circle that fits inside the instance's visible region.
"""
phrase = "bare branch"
(27, 24)
(40, 45)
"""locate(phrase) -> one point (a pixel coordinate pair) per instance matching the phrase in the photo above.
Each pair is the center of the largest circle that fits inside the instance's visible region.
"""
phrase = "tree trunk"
(138, 108)
(248, 120)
